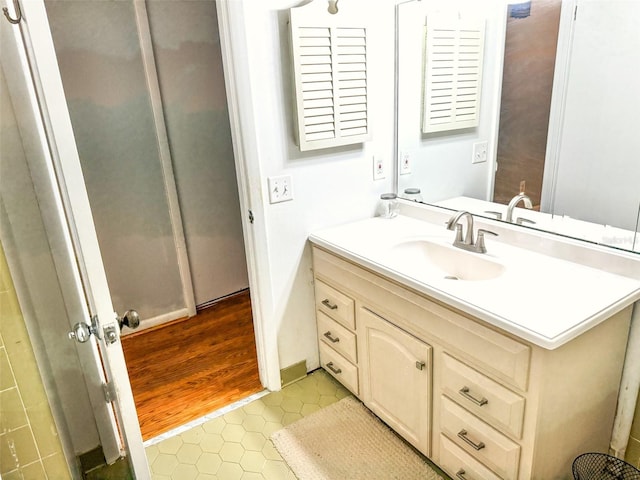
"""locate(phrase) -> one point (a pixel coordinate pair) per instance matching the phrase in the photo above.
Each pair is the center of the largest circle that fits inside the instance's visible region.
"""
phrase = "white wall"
(330, 186)
(441, 162)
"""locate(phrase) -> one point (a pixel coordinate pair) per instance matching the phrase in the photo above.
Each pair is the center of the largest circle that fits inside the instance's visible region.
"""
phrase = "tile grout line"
(28, 420)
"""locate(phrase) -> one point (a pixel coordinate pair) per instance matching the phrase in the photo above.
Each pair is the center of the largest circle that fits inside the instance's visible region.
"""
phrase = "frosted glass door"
(189, 63)
(98, 51)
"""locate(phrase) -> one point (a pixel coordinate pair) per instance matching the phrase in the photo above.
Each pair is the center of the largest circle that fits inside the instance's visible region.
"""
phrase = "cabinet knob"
(337, 371)
(460, 474)
(462, 434)
(327, 303)
(331, 338)
(464, 391)
(420, 365)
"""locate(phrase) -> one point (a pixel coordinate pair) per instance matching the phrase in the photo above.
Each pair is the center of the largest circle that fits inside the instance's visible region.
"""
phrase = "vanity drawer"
(479, 440)
(503, 357)
(337, 337)
(487, 399)
(460, 465)
(340, 368)
(335, 304)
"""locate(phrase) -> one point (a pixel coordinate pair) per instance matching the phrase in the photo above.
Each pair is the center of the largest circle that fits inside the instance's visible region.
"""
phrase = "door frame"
(233, 44)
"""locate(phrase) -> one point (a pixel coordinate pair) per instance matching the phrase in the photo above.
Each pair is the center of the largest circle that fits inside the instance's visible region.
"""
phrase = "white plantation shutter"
(452, 73)
(330, 76)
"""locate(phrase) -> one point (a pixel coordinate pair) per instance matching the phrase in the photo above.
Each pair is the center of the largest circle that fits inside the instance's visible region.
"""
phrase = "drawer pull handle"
(337, 371)
(462, 434)
(328, 335)
(464, 391)
(329, 305)
(460, 474)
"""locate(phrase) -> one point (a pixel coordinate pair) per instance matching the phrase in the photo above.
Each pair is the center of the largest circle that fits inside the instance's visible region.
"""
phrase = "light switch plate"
(280, 189)
(480, 152)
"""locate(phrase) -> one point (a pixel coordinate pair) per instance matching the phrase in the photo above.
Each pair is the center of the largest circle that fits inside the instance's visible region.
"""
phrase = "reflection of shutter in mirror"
(452, 73)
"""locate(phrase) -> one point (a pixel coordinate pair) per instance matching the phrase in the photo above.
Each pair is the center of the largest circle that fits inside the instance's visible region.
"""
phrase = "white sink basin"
(445, 260)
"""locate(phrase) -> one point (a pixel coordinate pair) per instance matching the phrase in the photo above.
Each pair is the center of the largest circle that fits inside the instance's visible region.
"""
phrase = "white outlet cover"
(405, 162)
(378, 169)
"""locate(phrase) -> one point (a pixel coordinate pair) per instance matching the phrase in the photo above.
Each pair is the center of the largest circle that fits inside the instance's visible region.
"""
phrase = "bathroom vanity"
(507, 369)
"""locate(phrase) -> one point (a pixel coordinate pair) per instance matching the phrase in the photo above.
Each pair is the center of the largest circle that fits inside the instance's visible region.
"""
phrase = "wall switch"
(405, 162)
(378, 168)
(480, 152)
(280, 189)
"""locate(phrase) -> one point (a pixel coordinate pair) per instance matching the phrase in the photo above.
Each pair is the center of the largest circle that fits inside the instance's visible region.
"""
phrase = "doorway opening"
(145, 90)
(183, 370)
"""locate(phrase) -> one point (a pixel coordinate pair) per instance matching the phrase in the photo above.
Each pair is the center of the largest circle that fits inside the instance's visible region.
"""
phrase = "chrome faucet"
(521, 197)
(468, 242)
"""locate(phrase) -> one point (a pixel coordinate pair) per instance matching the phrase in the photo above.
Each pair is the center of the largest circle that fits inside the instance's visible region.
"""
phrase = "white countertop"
(542, 299)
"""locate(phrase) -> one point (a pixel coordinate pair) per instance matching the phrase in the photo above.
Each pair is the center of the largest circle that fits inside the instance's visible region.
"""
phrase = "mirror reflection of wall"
(586, 182)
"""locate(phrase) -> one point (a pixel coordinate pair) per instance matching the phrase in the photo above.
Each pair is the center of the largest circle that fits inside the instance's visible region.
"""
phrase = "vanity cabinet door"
(396, 378)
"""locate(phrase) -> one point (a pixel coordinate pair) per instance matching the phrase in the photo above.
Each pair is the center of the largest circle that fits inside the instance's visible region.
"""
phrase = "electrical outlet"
(378, 168)
(479, 152)
(280, 189)
(405, 162)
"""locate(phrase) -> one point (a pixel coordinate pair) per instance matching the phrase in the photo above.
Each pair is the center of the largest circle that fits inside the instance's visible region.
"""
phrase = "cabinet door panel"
(396, 378)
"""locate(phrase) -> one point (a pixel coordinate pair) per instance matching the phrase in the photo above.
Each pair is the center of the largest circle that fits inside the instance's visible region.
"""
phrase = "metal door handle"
(462, 434)
(329, 305)
(130, 319)
(464, 391)
(81, 332)
(327, 334)
(337, 371)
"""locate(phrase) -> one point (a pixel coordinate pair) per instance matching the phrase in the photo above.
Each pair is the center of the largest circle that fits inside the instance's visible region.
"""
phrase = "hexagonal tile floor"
(236, 445)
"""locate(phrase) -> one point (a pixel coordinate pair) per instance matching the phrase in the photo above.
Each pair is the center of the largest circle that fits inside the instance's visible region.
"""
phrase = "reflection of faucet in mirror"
(467, 243)
(521, 197)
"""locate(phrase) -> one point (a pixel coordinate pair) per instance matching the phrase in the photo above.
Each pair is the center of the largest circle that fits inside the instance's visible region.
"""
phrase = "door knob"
(130, 319)
(81, 332)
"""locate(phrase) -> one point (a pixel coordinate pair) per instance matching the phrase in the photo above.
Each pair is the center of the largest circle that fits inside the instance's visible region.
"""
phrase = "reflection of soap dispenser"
(389, 205)
(413, 194)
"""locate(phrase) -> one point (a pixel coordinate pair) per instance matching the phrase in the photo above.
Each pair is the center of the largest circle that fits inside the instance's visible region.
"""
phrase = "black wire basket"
(600, 466)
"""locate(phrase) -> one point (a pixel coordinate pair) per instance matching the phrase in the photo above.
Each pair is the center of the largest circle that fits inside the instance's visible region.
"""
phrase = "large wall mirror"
(558, 128)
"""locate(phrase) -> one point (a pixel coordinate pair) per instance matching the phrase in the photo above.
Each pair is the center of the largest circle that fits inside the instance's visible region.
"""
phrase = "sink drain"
(451, 277)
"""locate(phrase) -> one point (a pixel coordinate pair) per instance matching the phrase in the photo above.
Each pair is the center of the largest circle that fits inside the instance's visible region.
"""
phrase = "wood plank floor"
(188, 368)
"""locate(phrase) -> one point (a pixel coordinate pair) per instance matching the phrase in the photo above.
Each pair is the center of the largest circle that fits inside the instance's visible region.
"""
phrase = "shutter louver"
(452, 74)
(330, 74)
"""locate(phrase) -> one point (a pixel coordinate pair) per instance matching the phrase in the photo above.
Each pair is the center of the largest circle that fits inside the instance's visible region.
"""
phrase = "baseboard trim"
(293, 373)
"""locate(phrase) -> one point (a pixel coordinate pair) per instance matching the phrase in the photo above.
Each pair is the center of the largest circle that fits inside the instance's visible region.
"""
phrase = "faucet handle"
(498, 215)
(522, 221)
(480, 246)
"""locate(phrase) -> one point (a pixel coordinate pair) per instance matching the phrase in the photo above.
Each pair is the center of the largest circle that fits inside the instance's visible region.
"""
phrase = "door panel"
(396, 378)
(82, 274)
(103, 74)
